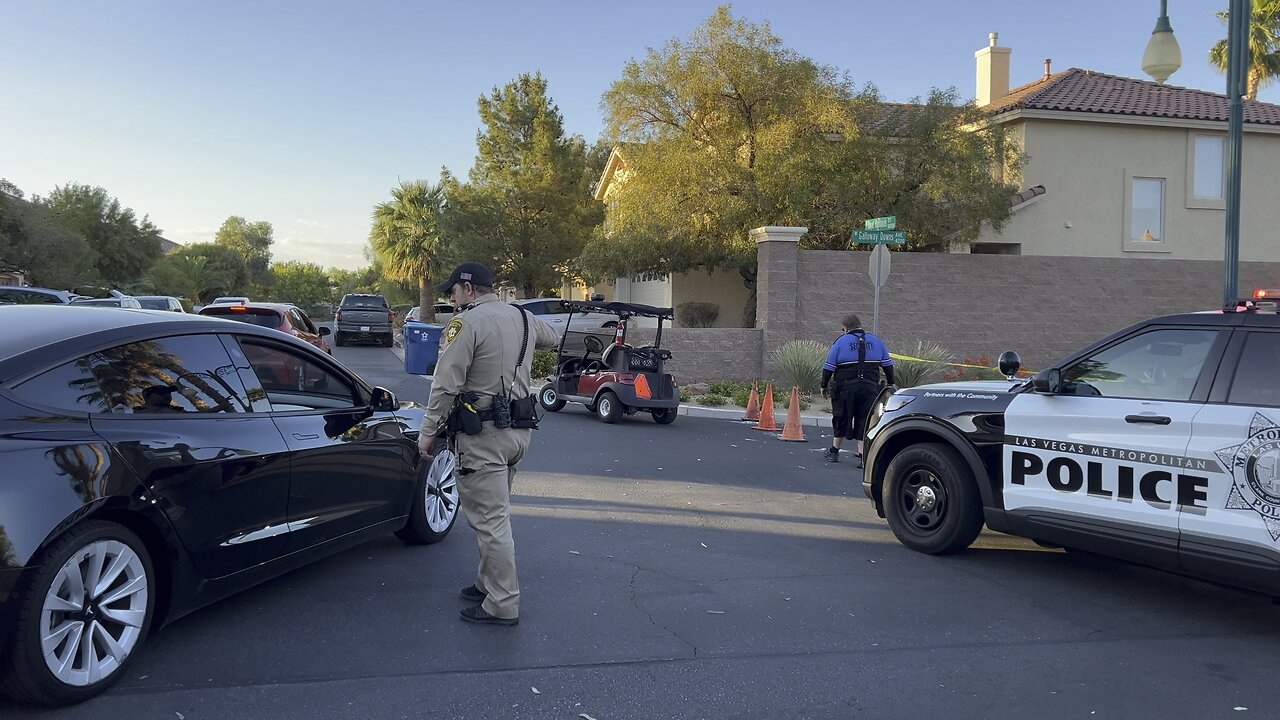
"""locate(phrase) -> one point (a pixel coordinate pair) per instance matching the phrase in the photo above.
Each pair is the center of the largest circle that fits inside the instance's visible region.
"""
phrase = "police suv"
(1159, 444)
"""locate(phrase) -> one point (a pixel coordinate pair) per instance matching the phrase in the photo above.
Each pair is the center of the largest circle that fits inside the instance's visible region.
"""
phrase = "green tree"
(405, 238)
(32, 240)
(126, 247)
(190, 276)
(728, 130)
(301, 283)
(252, 242)
(527, 210)
(1264, 47)
(202, 271)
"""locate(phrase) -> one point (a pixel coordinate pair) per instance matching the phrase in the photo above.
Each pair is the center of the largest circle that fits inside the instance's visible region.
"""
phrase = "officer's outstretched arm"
(545, 335)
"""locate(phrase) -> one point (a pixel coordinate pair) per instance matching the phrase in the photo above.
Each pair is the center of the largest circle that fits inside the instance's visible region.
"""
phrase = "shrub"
(711, 400)
(799, 362)
(685, 396)
(544, 363)
(697, 314)
(933, 359)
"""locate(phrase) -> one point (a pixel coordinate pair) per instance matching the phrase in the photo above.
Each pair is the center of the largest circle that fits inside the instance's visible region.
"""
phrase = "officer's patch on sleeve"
(451, 332)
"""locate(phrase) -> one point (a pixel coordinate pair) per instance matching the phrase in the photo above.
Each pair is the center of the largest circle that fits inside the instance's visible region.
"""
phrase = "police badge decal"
(1255, 468)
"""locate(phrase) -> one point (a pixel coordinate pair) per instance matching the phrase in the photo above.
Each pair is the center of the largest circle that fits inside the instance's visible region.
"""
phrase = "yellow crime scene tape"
(896, 356)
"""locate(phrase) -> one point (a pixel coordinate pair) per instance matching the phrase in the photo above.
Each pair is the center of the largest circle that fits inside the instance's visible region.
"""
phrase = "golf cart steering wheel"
(593, 344)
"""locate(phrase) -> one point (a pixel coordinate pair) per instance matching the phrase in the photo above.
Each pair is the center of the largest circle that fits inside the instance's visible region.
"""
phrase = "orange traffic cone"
(767, 421)
(753, 404)
(793, 430)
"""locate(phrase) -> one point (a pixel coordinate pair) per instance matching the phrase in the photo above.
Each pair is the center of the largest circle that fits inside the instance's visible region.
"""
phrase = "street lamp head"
(1163, 56)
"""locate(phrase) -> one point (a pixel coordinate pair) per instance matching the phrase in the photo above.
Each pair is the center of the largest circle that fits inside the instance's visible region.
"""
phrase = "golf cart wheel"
(609, 408)
(550, 400)
(665, 416)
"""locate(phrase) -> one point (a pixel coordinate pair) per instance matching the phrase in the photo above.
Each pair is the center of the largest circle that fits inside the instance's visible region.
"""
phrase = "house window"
(1146, 210)
(1210, 167)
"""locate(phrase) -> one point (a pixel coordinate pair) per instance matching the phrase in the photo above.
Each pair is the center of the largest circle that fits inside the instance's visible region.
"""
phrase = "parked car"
(124, 301)
(363, 317)
(1159, 445)
(158, 462)
(230, 300)
(160, 302)
(444, 313)
(286, 318)
(13, 295)
(553, 312)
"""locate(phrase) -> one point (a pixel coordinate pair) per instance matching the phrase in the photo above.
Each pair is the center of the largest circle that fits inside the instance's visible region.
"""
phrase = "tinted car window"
(262, 317)
(301, 321)
(158, 303)
(1255, 382)
(1157, 365)
(20, 297)
(189, 374)
(293, 381)
(363, 302)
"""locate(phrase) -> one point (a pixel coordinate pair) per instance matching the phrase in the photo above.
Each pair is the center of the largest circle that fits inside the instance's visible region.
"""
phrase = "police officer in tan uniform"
(480, 354)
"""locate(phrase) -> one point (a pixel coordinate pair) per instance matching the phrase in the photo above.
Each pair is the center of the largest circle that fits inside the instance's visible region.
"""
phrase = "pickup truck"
(363, 318)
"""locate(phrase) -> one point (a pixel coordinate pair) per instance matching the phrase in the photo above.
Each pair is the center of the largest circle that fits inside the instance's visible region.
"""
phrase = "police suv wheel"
(435, 501)
(931, 500)
(82, 617)
(550, 400)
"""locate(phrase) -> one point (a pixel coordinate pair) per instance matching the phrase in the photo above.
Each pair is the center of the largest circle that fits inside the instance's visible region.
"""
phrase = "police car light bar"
(1269, 294)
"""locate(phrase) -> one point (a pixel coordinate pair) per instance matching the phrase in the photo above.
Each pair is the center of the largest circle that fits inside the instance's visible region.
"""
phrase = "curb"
(736, 416)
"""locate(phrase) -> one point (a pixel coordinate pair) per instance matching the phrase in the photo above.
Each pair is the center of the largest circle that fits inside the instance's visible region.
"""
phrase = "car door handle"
(1149, 419)
(304, 436)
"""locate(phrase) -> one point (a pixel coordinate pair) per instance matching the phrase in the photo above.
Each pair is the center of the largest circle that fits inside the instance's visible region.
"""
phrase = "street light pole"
(1239, 15)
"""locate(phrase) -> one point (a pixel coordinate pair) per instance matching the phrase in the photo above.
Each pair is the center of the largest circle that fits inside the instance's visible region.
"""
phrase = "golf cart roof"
(618, 308)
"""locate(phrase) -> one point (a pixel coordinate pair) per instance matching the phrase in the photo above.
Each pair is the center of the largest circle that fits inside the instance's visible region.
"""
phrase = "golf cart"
(600, 370)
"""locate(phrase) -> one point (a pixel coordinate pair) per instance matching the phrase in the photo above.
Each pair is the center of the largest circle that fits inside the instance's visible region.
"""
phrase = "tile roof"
(1086, 91)
(1026, 196)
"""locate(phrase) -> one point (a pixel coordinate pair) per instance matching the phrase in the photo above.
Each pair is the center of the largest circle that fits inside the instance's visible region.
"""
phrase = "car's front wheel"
(550, 400)
(435, 501)
(82, 617)
(931, 501)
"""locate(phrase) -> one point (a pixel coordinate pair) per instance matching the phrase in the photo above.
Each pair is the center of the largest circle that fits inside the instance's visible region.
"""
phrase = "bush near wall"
(697, 314)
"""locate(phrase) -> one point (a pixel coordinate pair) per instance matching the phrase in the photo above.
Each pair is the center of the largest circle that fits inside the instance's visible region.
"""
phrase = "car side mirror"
(383, 400)
(1048, 381)
(325, 331)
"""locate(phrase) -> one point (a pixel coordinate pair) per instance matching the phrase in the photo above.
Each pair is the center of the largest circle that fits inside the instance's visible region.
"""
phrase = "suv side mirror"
(383, 400)
(324, 330)
(1048, 381)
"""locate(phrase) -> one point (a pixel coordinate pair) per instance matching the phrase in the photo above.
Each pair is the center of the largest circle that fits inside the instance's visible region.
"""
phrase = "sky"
(306, 114)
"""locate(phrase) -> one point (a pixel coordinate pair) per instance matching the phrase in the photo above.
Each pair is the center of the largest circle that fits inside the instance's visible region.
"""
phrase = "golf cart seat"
(617, 357)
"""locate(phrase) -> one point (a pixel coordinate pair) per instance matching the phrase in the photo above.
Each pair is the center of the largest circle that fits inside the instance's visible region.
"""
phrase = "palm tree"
(1264, 47)
(406, 238)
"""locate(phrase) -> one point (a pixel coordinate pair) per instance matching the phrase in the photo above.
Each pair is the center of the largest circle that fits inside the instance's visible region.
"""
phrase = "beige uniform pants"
(490, 460)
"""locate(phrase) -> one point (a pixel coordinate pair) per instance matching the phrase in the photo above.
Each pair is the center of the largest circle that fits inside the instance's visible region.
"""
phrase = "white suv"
(551, 312)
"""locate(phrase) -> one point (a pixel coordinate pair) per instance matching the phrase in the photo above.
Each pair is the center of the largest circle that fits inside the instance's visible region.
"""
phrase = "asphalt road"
(706, 570)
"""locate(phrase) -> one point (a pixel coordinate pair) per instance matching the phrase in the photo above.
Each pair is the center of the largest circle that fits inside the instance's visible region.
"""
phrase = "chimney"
(993, 72)
(1048, 68)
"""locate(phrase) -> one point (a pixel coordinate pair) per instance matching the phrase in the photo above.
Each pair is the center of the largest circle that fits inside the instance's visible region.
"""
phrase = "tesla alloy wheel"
(83, 616)
(435, 505)
(931, 500)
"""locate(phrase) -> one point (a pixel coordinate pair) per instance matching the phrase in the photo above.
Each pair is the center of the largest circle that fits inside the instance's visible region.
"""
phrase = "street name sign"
(881, 223)
(879, 237)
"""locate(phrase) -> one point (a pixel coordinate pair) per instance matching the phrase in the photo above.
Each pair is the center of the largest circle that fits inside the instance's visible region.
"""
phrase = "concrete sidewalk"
(721, 413)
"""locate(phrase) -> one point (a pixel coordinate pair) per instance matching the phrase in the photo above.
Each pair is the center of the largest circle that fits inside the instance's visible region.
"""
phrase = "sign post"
(878, 270)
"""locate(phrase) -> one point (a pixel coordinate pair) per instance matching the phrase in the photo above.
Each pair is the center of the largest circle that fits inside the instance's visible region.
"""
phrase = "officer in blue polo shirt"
(854, 362)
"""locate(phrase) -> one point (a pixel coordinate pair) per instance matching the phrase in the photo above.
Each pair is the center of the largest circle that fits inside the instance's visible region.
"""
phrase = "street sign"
(881, 223)
(879, 237)
(878, 268)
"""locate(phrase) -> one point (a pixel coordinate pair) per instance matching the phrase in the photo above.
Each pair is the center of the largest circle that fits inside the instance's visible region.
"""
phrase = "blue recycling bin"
(421, 347)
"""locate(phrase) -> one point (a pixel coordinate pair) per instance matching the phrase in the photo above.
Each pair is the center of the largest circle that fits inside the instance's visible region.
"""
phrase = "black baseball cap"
(474, 273)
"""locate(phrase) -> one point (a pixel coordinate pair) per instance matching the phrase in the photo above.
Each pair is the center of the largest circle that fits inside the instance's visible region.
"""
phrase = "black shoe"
(473, 594)
(478, 615)
(831, 455)
(859, 456)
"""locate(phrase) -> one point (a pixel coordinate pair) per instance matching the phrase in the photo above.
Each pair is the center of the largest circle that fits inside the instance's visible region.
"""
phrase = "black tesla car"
(152, 463)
